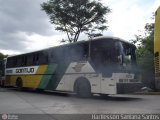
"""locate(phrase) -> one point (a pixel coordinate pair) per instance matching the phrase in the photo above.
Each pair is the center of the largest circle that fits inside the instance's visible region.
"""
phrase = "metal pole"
(90, 40)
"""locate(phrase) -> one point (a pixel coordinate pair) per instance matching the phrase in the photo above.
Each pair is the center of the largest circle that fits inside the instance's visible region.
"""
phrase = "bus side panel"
(58, 71)
(40, 79)
(29, 81)
(48, 76)
(10, 80)
(78, 70)
(157, 48)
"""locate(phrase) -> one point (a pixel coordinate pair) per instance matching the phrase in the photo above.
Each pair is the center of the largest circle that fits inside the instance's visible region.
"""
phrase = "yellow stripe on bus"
(41, 69)
(30, 81)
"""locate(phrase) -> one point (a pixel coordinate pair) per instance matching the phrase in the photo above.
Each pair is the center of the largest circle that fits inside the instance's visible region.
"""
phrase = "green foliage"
(2, 56)
(76, 16)
(145, 54)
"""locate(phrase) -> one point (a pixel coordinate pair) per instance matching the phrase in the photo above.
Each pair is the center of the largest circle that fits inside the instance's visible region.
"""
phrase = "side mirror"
(128, 59)
(120, 59)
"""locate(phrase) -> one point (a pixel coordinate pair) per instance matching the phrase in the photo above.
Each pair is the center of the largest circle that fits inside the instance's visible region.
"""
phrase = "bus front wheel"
(82, 88)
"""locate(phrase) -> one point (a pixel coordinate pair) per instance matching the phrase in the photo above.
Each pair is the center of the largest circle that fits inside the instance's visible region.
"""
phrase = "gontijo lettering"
(25, 70)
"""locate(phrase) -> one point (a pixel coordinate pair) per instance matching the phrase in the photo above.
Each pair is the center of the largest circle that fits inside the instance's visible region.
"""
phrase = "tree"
(145, 54)
(76, 16)
(2, 56)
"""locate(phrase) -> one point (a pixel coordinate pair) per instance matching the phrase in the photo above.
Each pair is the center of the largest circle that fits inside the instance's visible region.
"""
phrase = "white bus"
(103, 65)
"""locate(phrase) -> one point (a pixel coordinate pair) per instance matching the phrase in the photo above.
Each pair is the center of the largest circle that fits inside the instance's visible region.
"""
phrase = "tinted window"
(29, 59)
(43, 58)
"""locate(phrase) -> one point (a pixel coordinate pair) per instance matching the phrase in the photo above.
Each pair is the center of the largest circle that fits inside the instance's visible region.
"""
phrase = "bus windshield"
(126, 55)
(110, 56)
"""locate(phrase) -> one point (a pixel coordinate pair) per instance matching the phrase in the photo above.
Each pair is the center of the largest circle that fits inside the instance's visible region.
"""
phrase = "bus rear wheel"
(19, 83)
(83, 88)
(104, 95)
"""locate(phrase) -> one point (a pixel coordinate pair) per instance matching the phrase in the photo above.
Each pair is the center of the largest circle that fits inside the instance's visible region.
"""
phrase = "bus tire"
(104, 95)
(39, 90)
(19, 83)
(82, 88)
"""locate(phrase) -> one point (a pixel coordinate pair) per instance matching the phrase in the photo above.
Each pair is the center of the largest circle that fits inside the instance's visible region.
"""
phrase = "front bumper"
(125, 88)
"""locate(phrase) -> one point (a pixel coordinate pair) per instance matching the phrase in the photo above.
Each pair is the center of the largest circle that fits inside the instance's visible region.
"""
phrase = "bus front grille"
(124, 88)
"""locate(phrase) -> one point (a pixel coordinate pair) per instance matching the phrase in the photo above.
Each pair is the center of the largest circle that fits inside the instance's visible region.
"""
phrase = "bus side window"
(24, 60)
(96, 55)
(43, 58)
(29, 59)
(85, 51)
(76, 52)
(66, 53)
(14, 62)
(51, 57)
(8, 63)
(36, 59)
(19, 61)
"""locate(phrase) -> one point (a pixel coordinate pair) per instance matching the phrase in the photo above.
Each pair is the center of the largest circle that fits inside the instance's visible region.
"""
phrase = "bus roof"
(82, 41)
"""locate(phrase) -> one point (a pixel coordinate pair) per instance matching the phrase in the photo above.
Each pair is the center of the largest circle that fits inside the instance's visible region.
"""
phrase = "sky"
(24, 27)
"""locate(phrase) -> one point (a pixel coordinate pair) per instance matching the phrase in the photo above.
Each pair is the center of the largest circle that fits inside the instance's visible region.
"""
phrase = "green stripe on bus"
(57, 77)
(46, 78)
